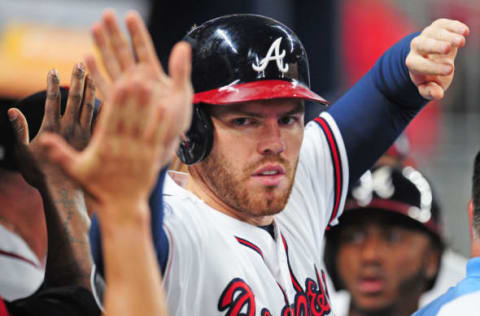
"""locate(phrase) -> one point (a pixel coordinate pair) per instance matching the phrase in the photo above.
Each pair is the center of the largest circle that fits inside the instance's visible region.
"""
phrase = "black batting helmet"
(400, 192)
(239, 58)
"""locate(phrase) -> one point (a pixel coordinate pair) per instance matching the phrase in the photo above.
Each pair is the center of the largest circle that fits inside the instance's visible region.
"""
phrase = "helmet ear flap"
(198, 139)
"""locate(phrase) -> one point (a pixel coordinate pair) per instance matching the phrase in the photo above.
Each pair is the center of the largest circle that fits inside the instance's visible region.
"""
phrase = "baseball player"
(463, 299)
(244, 238)
(386, 250)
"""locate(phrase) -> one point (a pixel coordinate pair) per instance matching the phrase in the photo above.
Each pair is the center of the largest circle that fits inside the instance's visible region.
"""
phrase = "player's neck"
(203, 191)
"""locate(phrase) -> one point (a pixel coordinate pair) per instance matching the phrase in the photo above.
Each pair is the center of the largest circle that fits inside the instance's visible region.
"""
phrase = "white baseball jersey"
(219, 265)
(21, 272)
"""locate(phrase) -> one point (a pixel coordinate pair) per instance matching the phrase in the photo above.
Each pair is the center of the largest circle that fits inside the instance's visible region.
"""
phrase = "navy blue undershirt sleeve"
(158, 233)
(377, 109)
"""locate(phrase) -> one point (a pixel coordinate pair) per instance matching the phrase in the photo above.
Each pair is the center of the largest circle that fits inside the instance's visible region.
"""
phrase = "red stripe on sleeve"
(336, 163)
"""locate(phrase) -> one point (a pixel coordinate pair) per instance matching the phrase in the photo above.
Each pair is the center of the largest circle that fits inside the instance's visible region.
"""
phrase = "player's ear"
(470, 218)
(433, 257)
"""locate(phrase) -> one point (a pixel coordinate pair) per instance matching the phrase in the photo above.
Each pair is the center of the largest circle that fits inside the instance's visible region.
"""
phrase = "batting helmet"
(239, 58)
(400, 192)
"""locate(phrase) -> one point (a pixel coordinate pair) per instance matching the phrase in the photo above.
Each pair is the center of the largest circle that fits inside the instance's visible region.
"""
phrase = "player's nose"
(271, 141)
(372, 249)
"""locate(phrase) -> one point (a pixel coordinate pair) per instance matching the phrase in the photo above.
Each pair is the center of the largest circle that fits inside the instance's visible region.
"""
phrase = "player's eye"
(287, 120)
(242, 121)
(352, 236)
(393, 235)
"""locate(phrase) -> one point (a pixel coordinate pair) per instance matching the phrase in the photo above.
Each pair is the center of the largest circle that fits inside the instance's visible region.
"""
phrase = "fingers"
(138, 107)
(149, 116)
(440, 37)
(158, 127)
(430, 46)
(94, 73)
(19, 125)
(159, 131)
(431, 91)
(434, 50)
(112, 44)
(180, 65)
(432, 56)
(446, 36)
(453, 26)
(60, 153)
(155, 126)
(117, 56)
(103, 45)
(111, 120)
(52, 102)
(75, 94)
(118, 42)
(121, 126)
(88, 103)
(165, 123)
(142, 42)
(426, 66)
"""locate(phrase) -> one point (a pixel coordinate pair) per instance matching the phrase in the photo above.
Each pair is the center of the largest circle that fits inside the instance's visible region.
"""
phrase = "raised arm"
(378, 108)
(68, 259)
(118, 58)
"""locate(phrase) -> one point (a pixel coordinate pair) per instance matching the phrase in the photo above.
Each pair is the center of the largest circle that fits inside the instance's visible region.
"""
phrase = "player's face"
(384, 266)
(255, 153)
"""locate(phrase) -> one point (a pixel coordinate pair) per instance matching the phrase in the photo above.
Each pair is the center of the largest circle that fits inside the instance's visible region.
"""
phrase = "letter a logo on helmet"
(278, 58)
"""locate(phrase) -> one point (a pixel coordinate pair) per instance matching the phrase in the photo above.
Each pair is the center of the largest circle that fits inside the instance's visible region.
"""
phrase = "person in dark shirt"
(387, 247)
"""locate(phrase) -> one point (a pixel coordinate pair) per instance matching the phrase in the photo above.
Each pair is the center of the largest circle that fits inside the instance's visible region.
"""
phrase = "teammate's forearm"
(68, 260)
(134, 285)
(158, 233)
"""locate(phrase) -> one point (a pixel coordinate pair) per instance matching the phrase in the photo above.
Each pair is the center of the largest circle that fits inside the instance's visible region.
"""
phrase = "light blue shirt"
(469, 285)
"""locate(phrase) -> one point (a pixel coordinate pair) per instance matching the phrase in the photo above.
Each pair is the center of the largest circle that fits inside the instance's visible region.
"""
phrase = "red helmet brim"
(257, 90)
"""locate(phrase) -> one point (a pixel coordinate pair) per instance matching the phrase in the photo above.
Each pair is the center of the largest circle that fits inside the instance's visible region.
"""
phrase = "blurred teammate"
(387, 248)
(464, 298)
(452, 267)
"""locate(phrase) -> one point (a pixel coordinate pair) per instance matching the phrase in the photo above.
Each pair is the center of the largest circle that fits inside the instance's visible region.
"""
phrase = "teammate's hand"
(118, 59)
(117, 55)
(432, 55)
(135, 134)
(74, 126)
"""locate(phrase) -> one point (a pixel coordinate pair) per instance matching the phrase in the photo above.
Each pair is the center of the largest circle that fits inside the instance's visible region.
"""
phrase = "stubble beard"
(230, 186)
